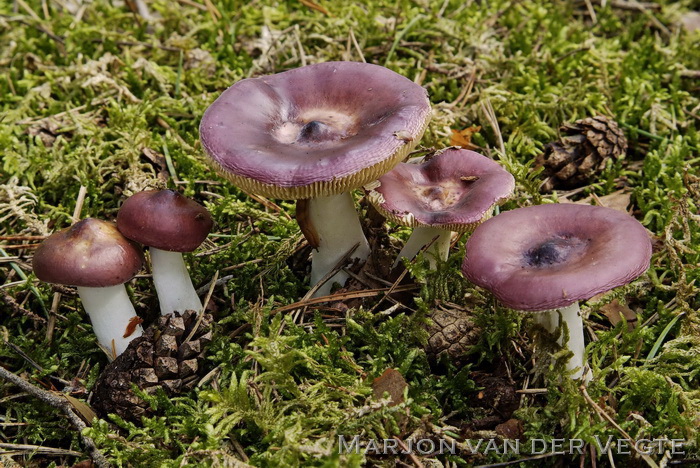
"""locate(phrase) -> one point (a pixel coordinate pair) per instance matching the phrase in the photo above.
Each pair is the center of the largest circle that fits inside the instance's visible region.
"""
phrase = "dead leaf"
(463, 138)
(159, 161)
(691, 21)
(315, 6)
(619, 200)
(84, 411)
(616, 312)
(511, 429)
(392, 382)
(83, 464)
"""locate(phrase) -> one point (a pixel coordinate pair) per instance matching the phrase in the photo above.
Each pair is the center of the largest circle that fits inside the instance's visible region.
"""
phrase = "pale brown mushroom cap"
(314, 131)
(90, 253)
(549, 256)
(454, 190)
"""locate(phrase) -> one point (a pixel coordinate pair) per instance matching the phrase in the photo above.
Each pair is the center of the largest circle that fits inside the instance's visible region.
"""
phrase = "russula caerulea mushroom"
(546, 258)
(314, 134)
(455, 190)
(169, 224)
(96, 258)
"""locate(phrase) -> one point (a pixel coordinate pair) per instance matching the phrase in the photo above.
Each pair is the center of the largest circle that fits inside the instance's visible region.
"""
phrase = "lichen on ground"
(94, 94)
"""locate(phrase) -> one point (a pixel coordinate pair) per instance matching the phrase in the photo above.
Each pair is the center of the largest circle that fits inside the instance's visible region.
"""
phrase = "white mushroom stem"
(110, 311)
(338, 230)
(571, 316)
(422, 236)
(173, 283)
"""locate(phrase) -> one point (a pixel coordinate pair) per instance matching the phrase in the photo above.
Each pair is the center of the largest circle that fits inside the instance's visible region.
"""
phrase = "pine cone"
(453, 333)
(581, 153)
(160, 358)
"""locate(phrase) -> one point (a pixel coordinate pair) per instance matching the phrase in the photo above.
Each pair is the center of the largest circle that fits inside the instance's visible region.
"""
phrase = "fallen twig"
(341, 297)
(59, 402)
(14, 305)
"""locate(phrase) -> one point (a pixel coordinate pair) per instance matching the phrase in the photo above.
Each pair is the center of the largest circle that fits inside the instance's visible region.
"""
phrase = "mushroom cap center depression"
(441, 197)
(559, 249)
(316, 126)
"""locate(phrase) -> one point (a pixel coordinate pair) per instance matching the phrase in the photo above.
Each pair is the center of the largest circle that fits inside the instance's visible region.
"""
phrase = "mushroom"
(455, 190)
(95, 257)
(314, 134)
(546, 258)
(169, 224)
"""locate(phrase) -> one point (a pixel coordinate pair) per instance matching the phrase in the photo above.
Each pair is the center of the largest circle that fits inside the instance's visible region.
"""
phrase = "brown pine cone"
(160, 358)
(584, 147)
(452, 332)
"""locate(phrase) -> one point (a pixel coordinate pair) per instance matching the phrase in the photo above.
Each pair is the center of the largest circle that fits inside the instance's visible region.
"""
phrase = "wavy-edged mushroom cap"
(164, 219)
(549, 256)
(90, 253)
(455, 190)
(314, 131)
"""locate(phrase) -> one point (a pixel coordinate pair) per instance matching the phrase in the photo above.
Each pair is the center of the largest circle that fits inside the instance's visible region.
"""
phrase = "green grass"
(101, 85)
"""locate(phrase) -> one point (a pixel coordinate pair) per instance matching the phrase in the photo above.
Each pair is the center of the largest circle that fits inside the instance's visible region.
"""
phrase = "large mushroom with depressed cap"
(95, 257)
(455, 190)
(169, 224)
(314, 134)
(547, 258)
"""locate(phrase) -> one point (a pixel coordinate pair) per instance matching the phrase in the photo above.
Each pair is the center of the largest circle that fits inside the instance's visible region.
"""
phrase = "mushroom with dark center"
(169, 224)
(557, 250)
(455, 190)
(546, 258)
(96, 258)
(314, 134)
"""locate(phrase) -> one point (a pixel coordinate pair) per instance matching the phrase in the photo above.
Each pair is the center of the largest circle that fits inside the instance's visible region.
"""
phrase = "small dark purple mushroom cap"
(549, 256)
(164, 219)
(314, 131)
(90, 253)
(455, 190)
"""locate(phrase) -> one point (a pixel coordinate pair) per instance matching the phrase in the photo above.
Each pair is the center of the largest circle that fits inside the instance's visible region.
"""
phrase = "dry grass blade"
(315, 6)
(338, 266)
(212, 284)
(25, 448)
(608, 418)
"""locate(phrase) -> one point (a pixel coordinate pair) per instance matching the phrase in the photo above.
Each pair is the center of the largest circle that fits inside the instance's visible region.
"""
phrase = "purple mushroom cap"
(314, 131)
(164, 219)
(455, 190)
(90, 253)
(549, 256)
